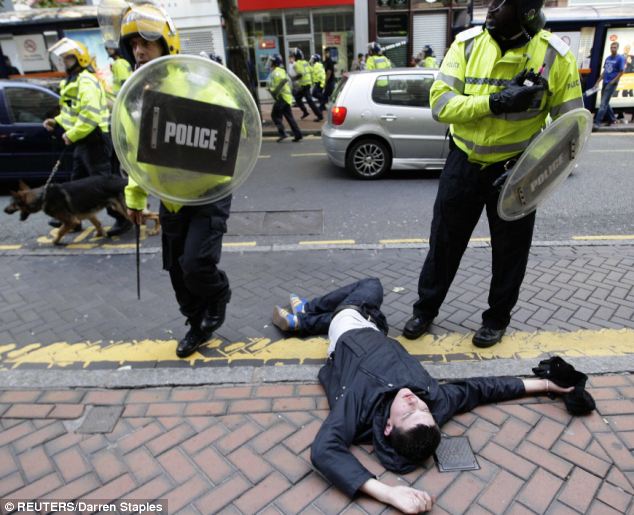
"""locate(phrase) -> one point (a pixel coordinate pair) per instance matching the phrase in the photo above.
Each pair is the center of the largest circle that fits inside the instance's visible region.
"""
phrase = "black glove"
(516, 97)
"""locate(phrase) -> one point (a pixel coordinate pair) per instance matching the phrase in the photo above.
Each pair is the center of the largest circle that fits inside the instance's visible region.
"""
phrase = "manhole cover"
(454, 453)
(100, 419)
(272, 223)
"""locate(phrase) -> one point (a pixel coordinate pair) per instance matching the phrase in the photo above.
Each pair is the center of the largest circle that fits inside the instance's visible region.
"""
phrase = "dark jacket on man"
(361, 378)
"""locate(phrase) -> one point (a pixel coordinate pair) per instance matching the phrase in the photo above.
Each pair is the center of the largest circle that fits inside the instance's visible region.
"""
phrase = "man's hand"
(410, 500)
(49, 124)
(135, 216)
(66, 139)
(514, 99)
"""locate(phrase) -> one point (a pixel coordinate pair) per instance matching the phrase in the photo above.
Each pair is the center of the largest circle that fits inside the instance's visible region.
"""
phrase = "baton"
(137, 231)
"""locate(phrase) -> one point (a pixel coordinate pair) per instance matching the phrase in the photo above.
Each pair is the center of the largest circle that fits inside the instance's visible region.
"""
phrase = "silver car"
(381, 120)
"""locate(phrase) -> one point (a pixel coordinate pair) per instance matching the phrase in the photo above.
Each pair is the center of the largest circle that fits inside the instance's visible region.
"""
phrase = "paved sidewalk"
(245, 449)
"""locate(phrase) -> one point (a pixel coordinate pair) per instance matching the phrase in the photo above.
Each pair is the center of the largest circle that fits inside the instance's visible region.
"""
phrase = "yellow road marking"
(606, 237)
(10, 247)
(485, 240)
(263, 157)
(452, 347)
(240, 244)
(310, 154)
(84, 234)
(81, 246)
(328, 242)
(403, 240)
(118, 246)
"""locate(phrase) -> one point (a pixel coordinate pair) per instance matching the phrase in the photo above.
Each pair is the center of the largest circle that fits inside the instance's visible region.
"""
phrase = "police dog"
(74, 201)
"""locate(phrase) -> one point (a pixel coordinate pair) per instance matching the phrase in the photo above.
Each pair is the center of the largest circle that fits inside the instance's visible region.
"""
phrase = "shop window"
(402, 90)
(298, 23)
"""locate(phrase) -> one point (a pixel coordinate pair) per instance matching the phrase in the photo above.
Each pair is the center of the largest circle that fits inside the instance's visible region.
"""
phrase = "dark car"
(27, 150)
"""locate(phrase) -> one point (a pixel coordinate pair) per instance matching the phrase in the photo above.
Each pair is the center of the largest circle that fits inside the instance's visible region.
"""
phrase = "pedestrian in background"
(428, 60)
(329, 67)
(613, 68)
(358, 64)
(280, 90)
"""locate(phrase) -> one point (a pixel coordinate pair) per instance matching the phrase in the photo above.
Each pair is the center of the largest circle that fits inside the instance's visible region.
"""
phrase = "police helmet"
(315, 58)
(531, 16)
(66, 47)
(215, 57)
(374, 48)
(152, 23)
(427, 50)
(276, 60)
(297, 53)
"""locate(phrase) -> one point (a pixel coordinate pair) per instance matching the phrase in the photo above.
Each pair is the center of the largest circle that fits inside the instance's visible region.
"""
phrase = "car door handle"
(17, 136)
(389, 117)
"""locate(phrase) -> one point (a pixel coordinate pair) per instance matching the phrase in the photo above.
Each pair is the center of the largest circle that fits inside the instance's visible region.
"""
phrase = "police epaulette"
(557, 43)
(468, 34)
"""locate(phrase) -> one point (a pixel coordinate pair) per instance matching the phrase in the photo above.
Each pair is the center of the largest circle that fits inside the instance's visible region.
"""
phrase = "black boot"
(54, 222)
(214, 315)
(194, 338)
(122, 225)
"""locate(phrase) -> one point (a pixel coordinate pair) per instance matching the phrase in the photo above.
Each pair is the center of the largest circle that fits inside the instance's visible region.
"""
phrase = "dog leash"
(58, 163)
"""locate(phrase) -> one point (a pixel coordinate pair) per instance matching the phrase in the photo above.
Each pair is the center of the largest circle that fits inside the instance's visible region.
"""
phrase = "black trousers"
(192, 244)
(318, 93)
(303, 92)
(282, 109)
(92, 156)
(464, 190)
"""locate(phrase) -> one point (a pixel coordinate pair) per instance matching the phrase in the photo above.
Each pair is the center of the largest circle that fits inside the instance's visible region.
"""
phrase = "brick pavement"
(245, 449)
(79, 298)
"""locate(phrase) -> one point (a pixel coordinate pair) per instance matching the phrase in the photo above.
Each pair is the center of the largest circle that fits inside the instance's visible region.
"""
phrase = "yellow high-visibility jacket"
(121, 70)
(377, 62)
(319, 74)
(474, 68)
(275, 79)
(302, 69)
(83, 106)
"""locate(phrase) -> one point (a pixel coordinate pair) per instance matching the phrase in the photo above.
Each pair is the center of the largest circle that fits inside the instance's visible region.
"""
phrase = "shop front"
(409, 25)
(276, 26)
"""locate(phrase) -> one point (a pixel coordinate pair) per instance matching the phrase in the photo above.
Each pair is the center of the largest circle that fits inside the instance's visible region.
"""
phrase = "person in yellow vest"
(494, 112)
(119, 67)
(376, 61)
(283, 99)
(84, 120)
(191, 235)
(428, 60)
(304, 80)
(319, 80)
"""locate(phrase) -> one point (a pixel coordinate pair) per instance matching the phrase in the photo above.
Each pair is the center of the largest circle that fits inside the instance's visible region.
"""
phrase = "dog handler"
(84, 119)
(494, 111)
(378, 393)
(191, 235)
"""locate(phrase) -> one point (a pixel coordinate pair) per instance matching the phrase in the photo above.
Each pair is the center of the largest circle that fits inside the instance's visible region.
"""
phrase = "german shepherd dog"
(74, 201)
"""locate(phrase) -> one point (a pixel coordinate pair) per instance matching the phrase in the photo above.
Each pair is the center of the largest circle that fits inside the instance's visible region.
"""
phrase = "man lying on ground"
(379, 393)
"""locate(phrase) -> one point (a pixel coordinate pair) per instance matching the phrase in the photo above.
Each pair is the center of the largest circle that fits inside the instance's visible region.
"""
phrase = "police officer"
(319, 79)
(191, 235)
(494, 112)
(428, 61)
(376, 61)
(304, 79)
(119, 67)
(281, 92)
(84, 119)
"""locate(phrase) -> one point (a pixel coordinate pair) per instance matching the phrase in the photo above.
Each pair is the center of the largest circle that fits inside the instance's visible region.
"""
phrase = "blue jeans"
(367, 294)
(606, 96)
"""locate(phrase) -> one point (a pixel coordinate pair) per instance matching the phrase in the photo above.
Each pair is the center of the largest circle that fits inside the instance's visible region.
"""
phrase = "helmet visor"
(150, 21)
(61, 49)
(109, 14)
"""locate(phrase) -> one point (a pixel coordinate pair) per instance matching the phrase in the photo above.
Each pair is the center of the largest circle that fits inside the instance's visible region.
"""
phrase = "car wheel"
(369, 159)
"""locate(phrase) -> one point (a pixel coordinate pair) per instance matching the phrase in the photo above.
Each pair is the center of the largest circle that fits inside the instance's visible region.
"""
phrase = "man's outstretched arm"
(403, 498)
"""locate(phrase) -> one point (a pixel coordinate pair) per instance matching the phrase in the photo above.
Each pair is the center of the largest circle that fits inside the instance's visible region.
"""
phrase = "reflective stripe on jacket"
(175, 83)
(302, 69)
(474, 68)
(83, 106)
(319, 74)
(377, 62)
(277, 76)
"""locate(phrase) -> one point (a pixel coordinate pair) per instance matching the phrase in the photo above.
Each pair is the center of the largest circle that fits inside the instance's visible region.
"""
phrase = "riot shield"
(186, 129)
(546, 162)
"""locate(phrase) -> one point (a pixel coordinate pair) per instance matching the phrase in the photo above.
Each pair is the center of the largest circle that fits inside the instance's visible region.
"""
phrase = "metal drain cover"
(100, 419)
(273, 223)
(454, 453)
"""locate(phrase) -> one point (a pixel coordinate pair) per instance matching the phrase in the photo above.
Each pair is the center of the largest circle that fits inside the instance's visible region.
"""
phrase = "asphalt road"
(595, 201)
